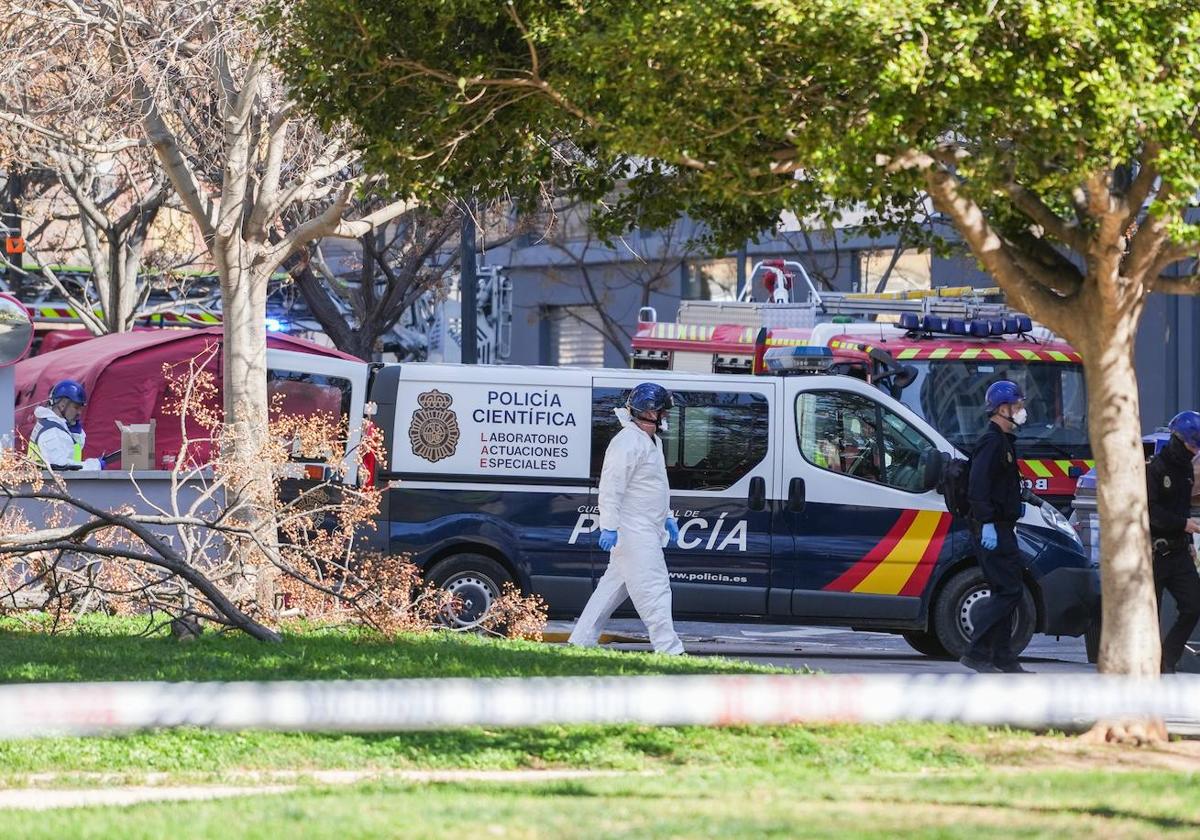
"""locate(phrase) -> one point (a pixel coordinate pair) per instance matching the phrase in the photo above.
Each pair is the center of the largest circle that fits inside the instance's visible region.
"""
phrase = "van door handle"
(758, 493)
(796, 489)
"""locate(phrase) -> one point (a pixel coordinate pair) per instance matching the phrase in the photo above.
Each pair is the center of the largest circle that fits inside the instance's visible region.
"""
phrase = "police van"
(801, 499)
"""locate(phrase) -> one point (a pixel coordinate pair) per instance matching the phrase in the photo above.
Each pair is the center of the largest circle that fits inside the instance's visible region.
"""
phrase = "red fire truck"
(935, 350)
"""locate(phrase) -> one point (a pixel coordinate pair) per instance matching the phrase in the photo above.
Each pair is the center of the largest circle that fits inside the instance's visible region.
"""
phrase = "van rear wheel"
(926, 643)
(956, 606)
(475, 582)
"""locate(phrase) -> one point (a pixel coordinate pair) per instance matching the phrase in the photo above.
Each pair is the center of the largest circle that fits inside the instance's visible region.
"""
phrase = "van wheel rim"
(968, 603)
(964, 609)
(474, 595)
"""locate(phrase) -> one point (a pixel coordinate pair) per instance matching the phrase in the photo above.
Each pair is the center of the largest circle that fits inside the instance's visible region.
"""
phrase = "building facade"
(576, 300)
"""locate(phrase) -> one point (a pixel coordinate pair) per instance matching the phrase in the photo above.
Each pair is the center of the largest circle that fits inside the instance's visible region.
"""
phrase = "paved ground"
(832, 650)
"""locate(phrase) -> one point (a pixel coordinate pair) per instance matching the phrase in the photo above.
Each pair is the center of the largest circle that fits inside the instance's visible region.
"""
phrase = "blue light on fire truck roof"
(979, 329)
(802, 359)
(909, 321)
(956, 326)
(933, 323)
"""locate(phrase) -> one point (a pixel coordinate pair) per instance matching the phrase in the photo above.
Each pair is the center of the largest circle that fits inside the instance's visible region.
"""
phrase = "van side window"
(713, 440)
(850, 434)
(903, 448)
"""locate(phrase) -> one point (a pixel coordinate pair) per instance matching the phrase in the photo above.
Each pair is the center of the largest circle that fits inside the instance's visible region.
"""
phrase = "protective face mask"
(662, 425)
(1020, 417)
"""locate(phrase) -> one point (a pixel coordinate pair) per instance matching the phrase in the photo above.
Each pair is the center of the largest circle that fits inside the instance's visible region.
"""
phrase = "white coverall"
(56, 444)
(635, 501)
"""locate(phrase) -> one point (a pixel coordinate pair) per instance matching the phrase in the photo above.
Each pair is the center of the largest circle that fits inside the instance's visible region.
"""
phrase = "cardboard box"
(137, 446)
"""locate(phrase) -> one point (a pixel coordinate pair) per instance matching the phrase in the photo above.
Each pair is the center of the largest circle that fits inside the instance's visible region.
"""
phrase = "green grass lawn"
(827, 781)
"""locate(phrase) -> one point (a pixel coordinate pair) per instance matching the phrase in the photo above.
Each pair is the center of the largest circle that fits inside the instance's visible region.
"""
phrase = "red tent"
(123, 376)
(57, 339)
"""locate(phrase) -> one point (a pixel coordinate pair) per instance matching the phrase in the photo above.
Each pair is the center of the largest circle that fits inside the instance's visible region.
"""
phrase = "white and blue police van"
(805, 499)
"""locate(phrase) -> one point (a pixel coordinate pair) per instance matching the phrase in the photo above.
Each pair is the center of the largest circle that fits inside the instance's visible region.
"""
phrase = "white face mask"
(1020, 417)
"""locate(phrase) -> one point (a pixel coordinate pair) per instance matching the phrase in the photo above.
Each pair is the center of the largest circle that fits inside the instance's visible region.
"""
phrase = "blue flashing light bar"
(801, 359)
(981, 328)
(276, 325)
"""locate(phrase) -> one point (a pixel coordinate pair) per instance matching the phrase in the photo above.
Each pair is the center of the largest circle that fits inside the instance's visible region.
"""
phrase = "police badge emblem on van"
(434, 429)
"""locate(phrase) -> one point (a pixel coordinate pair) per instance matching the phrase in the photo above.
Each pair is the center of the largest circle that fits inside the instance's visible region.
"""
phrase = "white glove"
(92, 464)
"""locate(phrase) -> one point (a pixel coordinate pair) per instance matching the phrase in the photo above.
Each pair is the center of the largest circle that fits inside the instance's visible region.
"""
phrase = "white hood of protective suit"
(57, 444)
(635, 499)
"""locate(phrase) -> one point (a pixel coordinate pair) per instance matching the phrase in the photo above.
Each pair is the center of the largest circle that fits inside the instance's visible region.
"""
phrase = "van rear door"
(306, 384)
(720, 464)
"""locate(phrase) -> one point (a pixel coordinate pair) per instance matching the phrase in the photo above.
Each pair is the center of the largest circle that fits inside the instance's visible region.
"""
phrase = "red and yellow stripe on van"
(900, 563)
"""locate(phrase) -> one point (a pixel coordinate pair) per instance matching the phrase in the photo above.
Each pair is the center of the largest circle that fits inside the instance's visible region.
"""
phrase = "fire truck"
(936, 350)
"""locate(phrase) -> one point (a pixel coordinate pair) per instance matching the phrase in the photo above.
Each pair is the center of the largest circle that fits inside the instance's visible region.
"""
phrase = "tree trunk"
(244, 361)
(118, 295)
(1130, 640)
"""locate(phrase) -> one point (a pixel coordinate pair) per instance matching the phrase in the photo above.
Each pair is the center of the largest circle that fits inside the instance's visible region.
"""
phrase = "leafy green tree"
(1057, 137)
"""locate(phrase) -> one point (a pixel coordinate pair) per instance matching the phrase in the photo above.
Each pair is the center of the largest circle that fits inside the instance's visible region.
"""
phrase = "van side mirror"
(758, 493)
(796, 495)
(932, 464)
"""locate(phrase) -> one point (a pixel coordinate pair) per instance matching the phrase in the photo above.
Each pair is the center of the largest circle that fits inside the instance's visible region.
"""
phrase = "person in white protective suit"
(58, 438)
(635, 512)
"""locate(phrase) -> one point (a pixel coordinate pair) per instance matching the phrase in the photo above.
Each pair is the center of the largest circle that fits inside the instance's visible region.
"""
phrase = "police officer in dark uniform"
(1169, 491)
(994, 491)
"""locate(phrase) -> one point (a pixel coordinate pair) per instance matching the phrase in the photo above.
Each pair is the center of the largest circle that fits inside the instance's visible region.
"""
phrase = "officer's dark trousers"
(1175, 572)
(993, 618)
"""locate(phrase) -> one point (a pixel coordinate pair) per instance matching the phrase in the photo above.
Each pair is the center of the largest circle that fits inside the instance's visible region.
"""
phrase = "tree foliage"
(1057, 137)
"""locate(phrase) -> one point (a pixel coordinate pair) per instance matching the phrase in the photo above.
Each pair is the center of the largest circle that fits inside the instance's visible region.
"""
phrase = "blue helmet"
(649, 397)
(68, 389)
(1186, 424)
(1001, 393)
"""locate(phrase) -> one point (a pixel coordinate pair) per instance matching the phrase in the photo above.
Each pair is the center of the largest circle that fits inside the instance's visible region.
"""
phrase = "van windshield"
(949, 395)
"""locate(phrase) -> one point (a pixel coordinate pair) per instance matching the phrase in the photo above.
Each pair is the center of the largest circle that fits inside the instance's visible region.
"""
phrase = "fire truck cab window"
(850, 434)
(713, 439)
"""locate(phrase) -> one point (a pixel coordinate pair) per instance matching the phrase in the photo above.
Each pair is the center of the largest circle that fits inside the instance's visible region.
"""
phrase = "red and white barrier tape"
(44, 709)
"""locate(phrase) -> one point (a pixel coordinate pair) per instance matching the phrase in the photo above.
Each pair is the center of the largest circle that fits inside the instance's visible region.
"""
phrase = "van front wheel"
(957, 606)
(926, 643)
(475, 582)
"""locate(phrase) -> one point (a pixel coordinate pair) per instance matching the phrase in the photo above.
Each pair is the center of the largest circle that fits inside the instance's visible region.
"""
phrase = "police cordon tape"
(48, 709)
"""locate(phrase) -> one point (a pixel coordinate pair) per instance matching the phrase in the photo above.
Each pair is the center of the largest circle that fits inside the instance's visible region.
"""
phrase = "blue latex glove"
(988, 537)
(103, 463)
(1024, 508)
(672, 530)
(608, 540)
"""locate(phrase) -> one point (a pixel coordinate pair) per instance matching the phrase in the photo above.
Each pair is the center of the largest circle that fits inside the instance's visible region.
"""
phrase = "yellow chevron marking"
(998, 353)
(940, 353)
(908, 353)
(1039, 469)
(970, 353)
